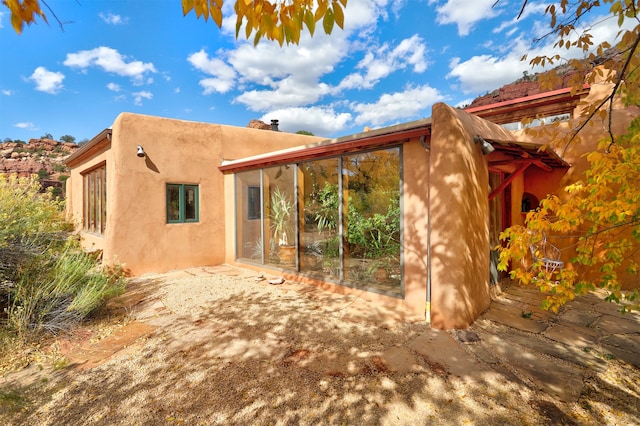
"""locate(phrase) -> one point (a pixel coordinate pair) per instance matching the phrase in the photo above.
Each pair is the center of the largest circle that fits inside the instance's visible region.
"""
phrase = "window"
(253, 202)
(94, 200)
(182, 203)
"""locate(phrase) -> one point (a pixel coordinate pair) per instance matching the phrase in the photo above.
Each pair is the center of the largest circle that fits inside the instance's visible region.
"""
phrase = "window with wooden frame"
(182, 203)
(95, 199)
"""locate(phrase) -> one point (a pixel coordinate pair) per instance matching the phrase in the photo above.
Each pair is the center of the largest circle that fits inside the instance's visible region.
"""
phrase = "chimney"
(274, 125)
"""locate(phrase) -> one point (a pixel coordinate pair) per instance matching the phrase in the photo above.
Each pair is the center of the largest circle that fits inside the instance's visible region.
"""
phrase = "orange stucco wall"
(137, 234)
(459, 210)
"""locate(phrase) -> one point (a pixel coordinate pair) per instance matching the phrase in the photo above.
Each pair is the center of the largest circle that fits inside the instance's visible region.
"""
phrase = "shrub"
(47, 282)
(43, 174)
(54, 293)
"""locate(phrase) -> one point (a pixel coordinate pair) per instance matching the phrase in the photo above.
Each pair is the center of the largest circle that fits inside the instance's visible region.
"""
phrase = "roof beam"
(520, 170)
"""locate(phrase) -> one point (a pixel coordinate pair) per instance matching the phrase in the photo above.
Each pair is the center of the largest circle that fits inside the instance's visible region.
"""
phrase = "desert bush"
(47, 282)
(57, 291)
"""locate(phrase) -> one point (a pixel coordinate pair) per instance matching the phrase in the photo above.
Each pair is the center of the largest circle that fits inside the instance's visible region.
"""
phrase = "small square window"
(182, 203)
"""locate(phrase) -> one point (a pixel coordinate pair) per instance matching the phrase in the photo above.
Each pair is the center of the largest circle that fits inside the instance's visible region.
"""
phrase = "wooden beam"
(520, 170)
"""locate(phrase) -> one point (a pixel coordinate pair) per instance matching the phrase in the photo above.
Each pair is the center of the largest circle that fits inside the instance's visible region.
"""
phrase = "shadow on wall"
(459, 210)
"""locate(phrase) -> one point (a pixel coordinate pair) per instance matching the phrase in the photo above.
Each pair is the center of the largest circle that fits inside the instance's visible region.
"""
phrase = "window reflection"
(342, 224)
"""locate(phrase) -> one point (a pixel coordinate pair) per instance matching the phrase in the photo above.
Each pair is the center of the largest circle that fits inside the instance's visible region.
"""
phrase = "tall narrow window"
(95, 200)
(182, 203)
(253, 203)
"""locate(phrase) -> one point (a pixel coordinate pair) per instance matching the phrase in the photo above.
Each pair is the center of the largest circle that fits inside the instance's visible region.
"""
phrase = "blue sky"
(391, 63)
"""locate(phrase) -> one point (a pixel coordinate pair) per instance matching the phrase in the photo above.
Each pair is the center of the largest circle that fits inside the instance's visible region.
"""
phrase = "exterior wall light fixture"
(141, 152)
(485, 146)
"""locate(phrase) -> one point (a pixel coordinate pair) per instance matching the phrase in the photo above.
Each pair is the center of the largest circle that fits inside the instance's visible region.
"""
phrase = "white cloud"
(530, 9)
(397, 106)
(318, 120)
(26, 125)
(463, 103)
(47, 81)
(289, 93)
(291, 76)
(2, 19)
(380, 63)
(112, 19)
(486, 72)
(110, 60)
(223, 76)
(284, 82)
(113, 87)
(7, 92)
(482, 73)
(286, 77)
(465, 13)
(138, 96)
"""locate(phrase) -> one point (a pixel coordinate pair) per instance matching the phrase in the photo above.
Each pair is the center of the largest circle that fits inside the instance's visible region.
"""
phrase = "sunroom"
(330, 212)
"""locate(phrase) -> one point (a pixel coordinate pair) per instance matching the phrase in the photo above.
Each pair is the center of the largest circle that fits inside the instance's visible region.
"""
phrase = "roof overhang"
(99, 141)
(517, 152)
(545, 103)
(331, 147)
(518, 157)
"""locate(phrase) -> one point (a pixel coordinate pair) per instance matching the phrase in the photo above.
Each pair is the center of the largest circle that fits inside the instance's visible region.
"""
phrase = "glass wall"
(371, 200)
(280, 216)
(249, 209)
(320, 242)
(335, 218)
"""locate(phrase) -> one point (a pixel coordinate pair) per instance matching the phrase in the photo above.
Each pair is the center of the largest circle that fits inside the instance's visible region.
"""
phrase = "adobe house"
(162, 208)
(405, 215)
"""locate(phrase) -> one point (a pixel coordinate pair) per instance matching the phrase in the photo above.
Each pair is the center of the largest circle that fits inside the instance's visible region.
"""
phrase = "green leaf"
(310, 21)
(328, 21)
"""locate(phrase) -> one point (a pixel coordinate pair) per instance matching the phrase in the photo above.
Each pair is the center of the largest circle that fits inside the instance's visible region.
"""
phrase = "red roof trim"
(327, 150)
(564, 91)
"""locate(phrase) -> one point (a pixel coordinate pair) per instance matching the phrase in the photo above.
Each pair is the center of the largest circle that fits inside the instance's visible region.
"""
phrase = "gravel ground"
(229, 350)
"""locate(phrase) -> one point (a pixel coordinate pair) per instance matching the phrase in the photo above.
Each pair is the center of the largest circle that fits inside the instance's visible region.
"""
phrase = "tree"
(46, 136)
(601, 212)
(304, 132)
(282, 21)
(68, 138)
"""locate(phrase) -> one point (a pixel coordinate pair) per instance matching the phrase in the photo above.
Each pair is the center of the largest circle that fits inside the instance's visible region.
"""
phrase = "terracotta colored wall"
(459, 212)
(415, 222)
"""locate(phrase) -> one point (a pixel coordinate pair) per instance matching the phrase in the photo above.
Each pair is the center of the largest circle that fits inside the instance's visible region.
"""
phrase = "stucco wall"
(415, 223)
(459, 210)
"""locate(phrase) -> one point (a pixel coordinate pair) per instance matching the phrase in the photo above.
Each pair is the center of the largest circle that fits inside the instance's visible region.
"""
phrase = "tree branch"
(611, 96)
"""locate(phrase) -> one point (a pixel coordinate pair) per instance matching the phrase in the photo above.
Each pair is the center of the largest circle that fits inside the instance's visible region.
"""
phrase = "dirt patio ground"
(215, 346)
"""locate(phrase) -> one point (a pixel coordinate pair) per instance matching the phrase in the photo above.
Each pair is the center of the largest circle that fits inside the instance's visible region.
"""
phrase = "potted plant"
(281, 225)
